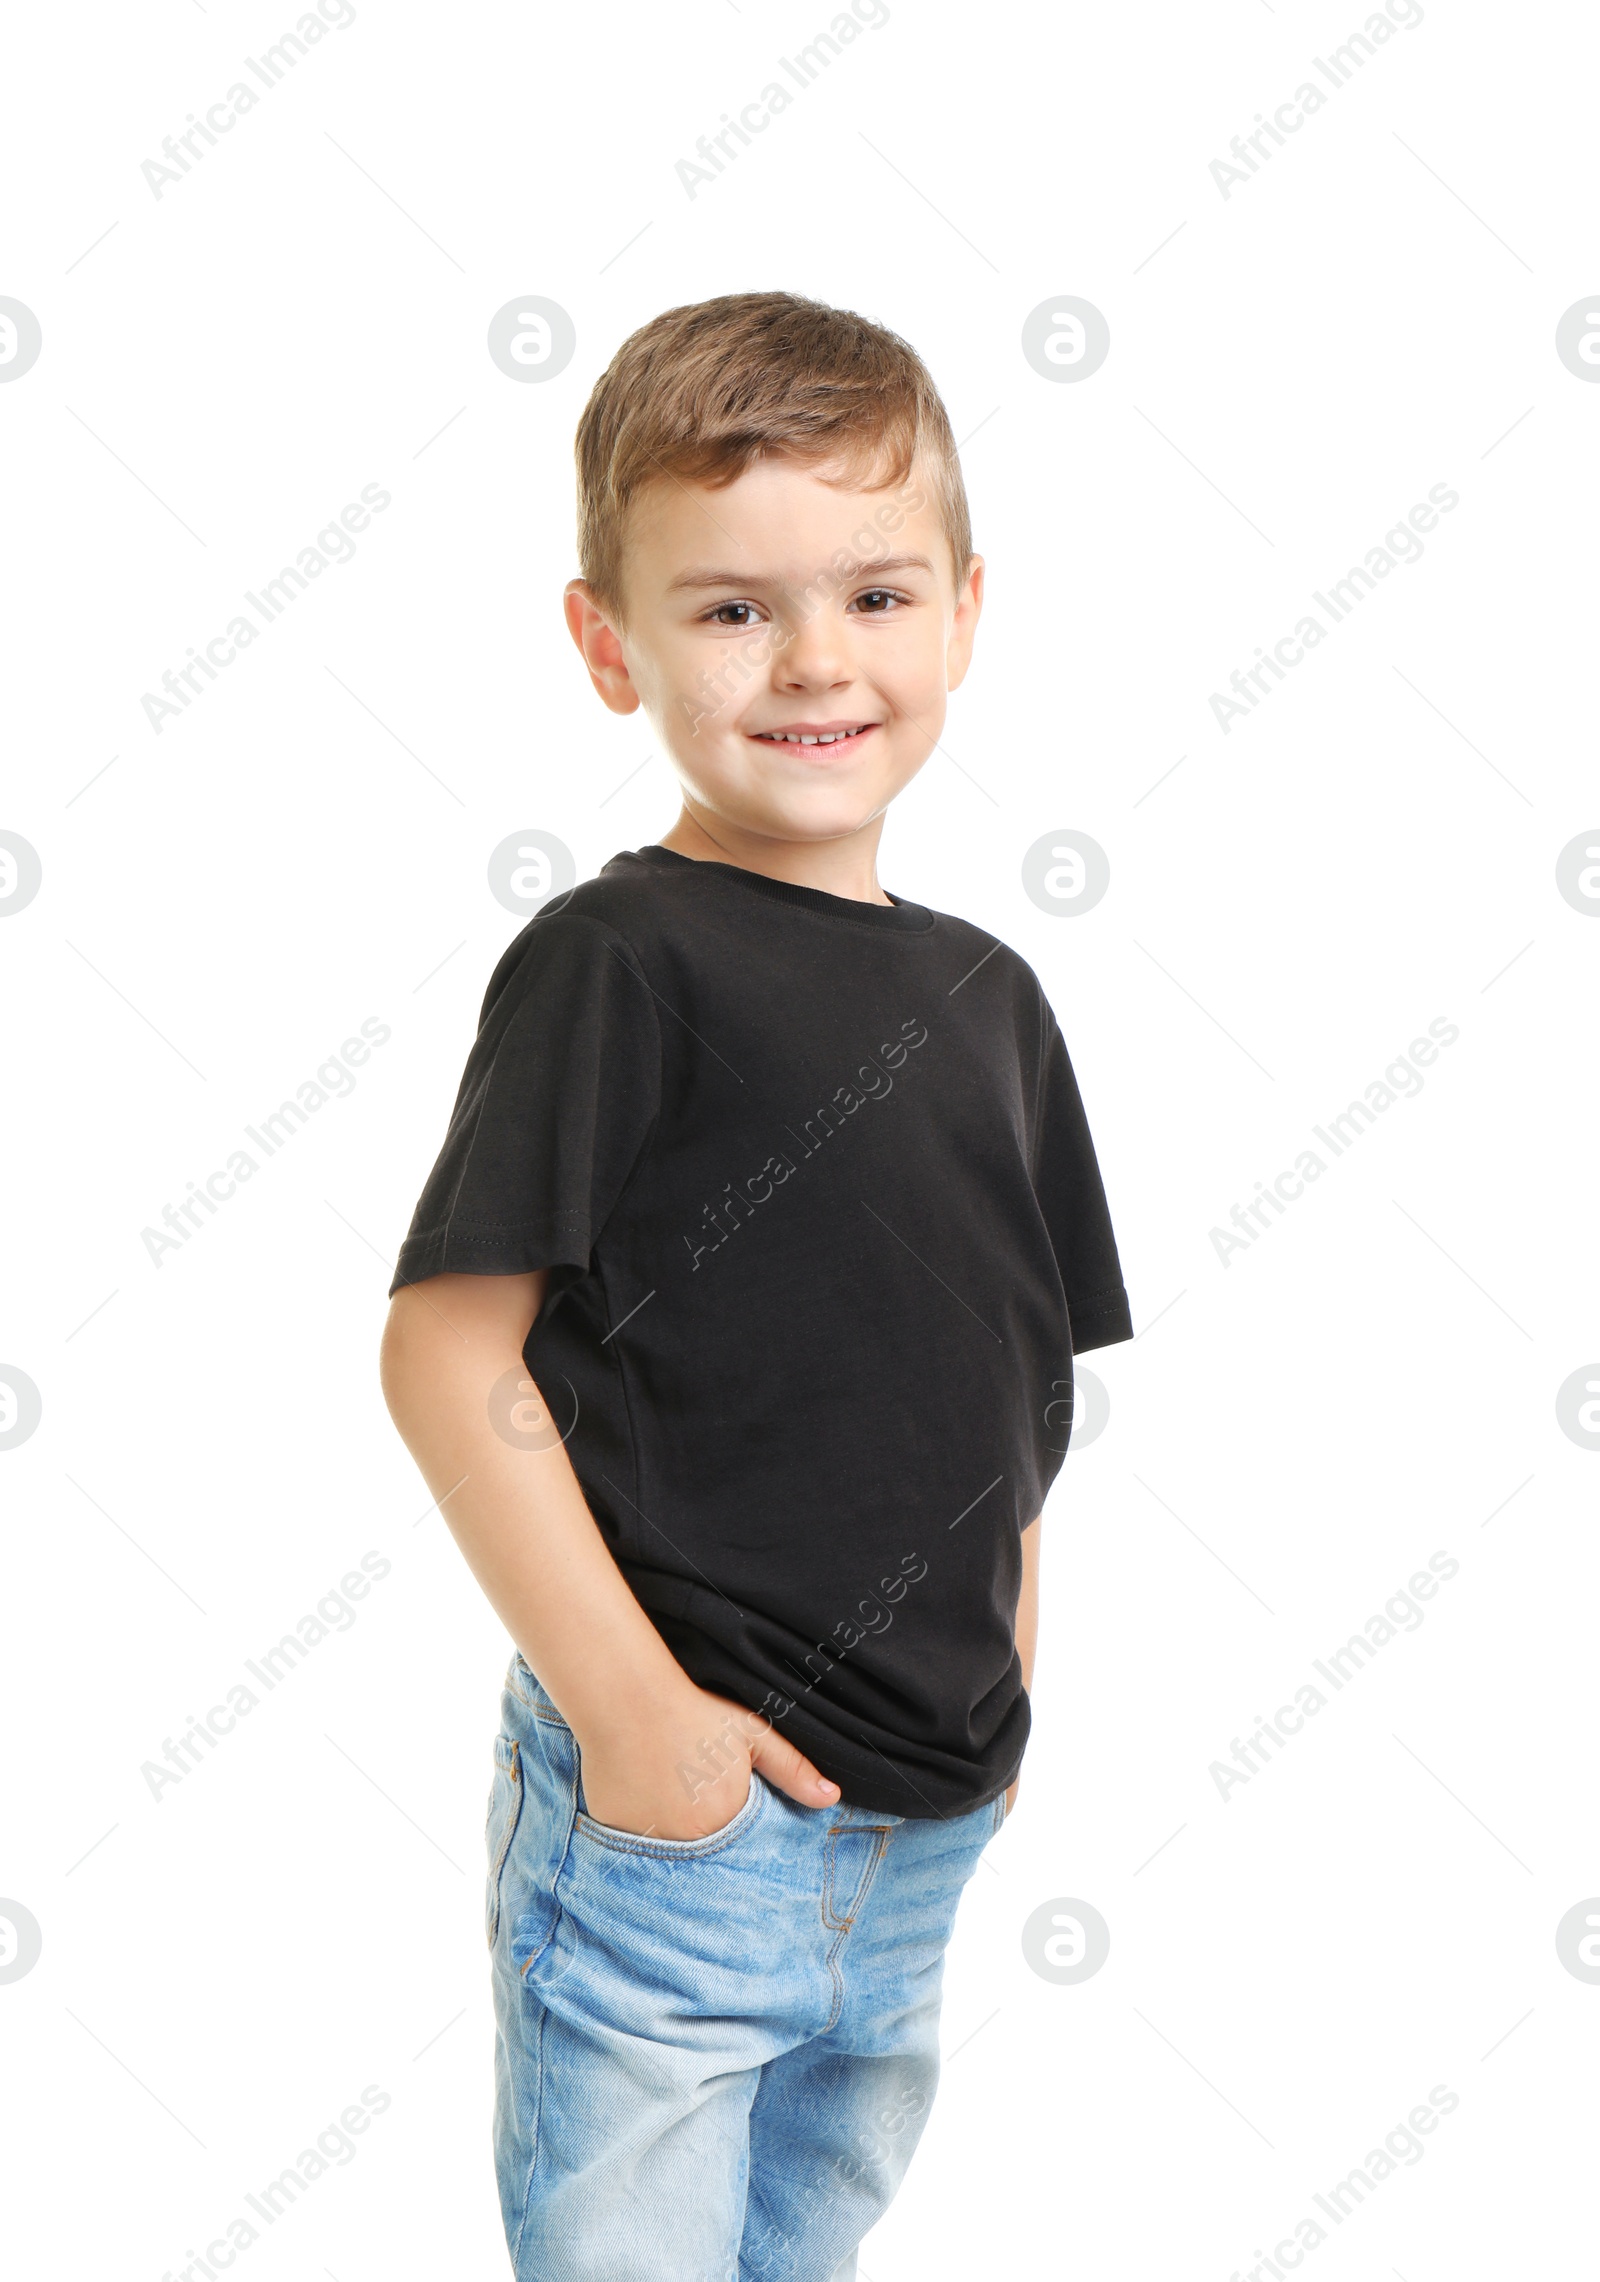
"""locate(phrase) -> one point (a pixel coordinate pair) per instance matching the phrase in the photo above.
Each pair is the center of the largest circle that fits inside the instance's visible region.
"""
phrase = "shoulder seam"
(583, 919)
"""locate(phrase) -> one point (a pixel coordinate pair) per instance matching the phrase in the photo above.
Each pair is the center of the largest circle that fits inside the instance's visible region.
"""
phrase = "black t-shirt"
(825, 1226)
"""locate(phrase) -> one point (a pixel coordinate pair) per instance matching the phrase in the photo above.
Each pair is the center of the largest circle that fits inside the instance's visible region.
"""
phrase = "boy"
(764, 1231)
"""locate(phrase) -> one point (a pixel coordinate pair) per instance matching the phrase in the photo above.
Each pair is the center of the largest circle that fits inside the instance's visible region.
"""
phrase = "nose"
(815, 656)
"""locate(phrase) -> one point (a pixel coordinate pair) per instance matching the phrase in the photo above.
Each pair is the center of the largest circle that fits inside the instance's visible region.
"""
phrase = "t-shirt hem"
(867, 1776)
(870, 1779)
(878, 1785)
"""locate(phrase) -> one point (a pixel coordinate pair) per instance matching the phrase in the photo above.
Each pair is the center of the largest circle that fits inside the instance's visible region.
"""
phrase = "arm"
(659, 1754)
(1027, 1628)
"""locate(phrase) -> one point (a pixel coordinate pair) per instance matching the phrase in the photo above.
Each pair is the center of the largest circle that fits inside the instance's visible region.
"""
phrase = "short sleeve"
(557, 1100)
(1072, 1198)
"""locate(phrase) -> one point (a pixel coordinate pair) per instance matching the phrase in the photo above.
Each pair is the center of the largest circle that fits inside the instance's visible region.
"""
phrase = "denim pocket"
(539, 1700)
(505, 1810)
(674, 1849)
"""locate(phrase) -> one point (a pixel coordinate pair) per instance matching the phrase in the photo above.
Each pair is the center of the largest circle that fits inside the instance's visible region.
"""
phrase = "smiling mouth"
(828, 733)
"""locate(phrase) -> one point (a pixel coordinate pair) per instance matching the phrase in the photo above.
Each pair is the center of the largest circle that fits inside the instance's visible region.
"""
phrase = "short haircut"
(702, 392)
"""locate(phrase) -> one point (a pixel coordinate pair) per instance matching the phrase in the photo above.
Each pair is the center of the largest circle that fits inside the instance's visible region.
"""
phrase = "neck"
(845, 867)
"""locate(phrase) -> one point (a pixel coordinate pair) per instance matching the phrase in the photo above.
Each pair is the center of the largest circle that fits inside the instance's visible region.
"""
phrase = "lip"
(847, 734)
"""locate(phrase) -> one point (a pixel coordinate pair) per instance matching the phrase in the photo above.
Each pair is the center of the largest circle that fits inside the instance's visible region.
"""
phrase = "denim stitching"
(674, 1850)
(533, 2138)
(548, 1942)
(863, 1887)
(497, 1868)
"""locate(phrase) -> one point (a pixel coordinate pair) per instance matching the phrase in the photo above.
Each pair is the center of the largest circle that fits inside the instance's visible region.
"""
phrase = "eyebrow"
(706, 578)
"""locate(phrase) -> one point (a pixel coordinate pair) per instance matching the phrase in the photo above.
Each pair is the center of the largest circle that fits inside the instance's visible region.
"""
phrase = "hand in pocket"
(688, 1773)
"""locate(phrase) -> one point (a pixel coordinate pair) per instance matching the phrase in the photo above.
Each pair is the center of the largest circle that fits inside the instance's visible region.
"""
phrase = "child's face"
(779, 607)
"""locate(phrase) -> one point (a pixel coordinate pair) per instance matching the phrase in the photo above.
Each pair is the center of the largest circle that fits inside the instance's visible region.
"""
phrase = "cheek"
(908, 666)
(683, 672)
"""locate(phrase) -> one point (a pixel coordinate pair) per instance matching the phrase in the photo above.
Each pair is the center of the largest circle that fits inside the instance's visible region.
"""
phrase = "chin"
(810, 823)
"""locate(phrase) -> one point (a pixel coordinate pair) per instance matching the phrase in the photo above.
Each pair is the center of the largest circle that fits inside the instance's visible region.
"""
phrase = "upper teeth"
(796, 737)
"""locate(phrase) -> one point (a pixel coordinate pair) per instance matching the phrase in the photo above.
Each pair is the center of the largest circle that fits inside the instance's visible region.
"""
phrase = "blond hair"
(702, 392)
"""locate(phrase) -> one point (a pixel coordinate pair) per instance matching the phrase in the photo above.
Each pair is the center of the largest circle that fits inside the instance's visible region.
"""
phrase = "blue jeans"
(713, 2056)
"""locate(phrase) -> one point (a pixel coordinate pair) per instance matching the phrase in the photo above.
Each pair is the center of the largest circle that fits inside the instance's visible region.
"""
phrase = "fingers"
(779, 1762)
(789, 1770)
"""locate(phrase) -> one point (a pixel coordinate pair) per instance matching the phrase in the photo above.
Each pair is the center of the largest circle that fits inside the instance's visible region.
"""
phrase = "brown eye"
(876, 600)
(745, 614)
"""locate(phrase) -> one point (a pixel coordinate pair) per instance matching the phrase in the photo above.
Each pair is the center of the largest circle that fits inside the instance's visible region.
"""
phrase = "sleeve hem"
(501, 1252)
(1102, 1320)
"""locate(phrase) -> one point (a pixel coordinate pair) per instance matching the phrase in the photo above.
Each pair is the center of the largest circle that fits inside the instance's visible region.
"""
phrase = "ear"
(594, 630)
(964, 625)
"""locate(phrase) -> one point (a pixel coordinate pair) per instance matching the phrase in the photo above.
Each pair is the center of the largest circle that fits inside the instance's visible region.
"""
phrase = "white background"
(1291, 1435)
